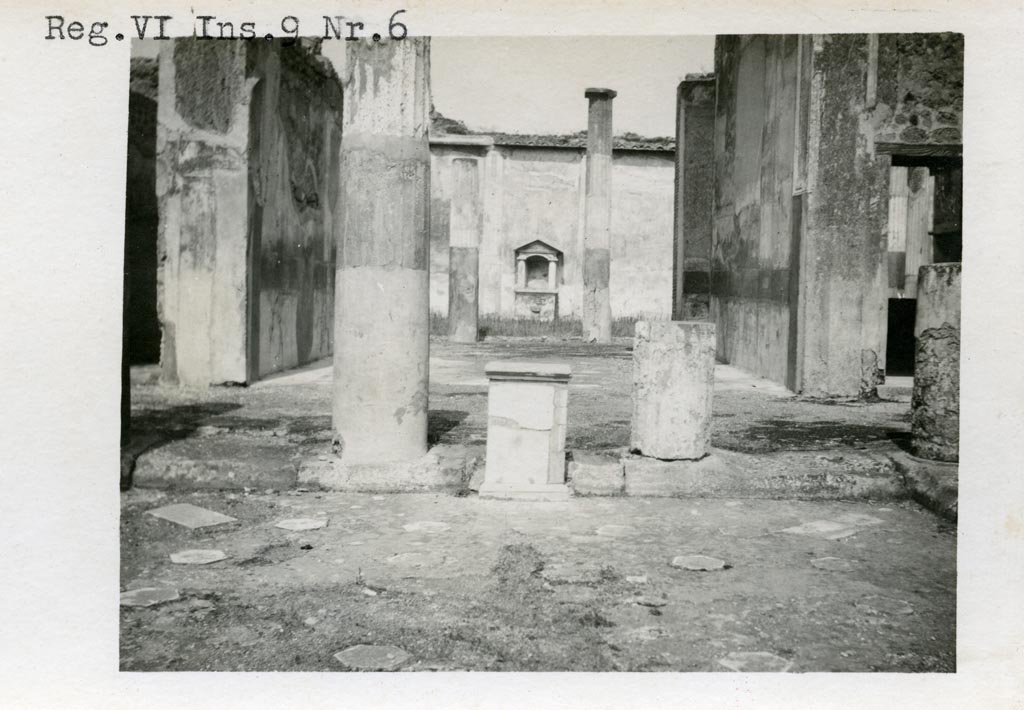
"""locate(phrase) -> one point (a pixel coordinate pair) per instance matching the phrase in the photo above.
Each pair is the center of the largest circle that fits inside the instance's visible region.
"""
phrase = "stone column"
(694, 197)
(526, 423)
(673, 381)
(935, 403)
(597, 312)
(381, 321)
(464, 251)
(520, 273)
(552, 275)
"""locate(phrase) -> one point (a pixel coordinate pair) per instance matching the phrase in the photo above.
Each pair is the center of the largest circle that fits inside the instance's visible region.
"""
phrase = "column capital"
(597, 93)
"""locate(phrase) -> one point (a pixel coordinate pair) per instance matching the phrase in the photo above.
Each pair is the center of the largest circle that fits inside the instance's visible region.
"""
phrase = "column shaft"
(597, 314)
(381, 327)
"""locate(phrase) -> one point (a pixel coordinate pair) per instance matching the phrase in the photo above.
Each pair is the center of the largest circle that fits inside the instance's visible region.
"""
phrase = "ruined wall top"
(921, 83)
(144, 75)
(443, 130)
(303, 67)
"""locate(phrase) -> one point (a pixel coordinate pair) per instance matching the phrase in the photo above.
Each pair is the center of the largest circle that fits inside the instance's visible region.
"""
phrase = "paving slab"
(301, 524)
(372, 658)
(197, 557)
(149, 596)
(698, 563)
(755, 662)
(190, 516)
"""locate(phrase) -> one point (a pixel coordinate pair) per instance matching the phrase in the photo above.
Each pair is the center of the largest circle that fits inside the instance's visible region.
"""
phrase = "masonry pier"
(694, 197)
(381, 325)
(464, 251)
(597, 313)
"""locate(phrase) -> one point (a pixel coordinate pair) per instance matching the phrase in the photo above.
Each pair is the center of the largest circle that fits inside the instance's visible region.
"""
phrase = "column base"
(546, 491)
(441, 468)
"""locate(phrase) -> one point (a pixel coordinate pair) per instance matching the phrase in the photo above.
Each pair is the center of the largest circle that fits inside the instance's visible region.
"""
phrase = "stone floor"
(586, 585)
(454, 582)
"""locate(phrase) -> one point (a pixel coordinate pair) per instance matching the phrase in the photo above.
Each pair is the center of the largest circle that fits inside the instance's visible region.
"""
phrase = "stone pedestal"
(526, 423)
(673, 381)
(464, 252)
(935, 402)
(597, 313)
(381, 326)
(536, 305)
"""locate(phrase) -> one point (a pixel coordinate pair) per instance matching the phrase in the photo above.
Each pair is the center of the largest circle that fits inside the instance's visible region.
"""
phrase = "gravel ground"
(588, 585)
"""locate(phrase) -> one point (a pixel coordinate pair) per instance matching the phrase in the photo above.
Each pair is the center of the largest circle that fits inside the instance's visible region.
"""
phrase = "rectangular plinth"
(526, 424)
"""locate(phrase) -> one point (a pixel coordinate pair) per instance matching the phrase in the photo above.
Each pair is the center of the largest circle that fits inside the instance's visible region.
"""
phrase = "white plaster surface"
(526, 431)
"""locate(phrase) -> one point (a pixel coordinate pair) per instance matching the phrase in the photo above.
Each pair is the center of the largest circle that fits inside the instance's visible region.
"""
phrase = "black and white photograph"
(439, 360)
(512, 356)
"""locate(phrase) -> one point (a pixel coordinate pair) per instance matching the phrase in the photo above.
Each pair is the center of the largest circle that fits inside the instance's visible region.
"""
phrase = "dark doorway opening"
(899, 348)
(141, 323)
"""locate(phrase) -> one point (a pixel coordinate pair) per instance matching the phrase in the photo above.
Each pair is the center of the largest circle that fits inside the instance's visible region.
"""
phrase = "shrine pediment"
(538, 247)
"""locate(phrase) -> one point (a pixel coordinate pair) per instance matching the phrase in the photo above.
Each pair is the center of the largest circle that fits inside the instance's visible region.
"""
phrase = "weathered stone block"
(596, 475)
(526, 409)
(441, 468)
(684, 478)
(673, 378)
(935, 402)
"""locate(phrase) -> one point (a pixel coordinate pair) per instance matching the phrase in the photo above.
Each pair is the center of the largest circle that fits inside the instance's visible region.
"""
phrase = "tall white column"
(381, 325)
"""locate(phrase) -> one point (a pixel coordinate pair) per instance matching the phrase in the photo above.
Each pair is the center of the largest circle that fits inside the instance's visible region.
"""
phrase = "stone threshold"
(933, 484)
(880, 472)
(858, 474)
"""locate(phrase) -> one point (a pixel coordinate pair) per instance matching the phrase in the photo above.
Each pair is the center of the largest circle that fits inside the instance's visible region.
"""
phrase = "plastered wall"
(293, 186)
(751, 302)
(247, 145)
(530, 193)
